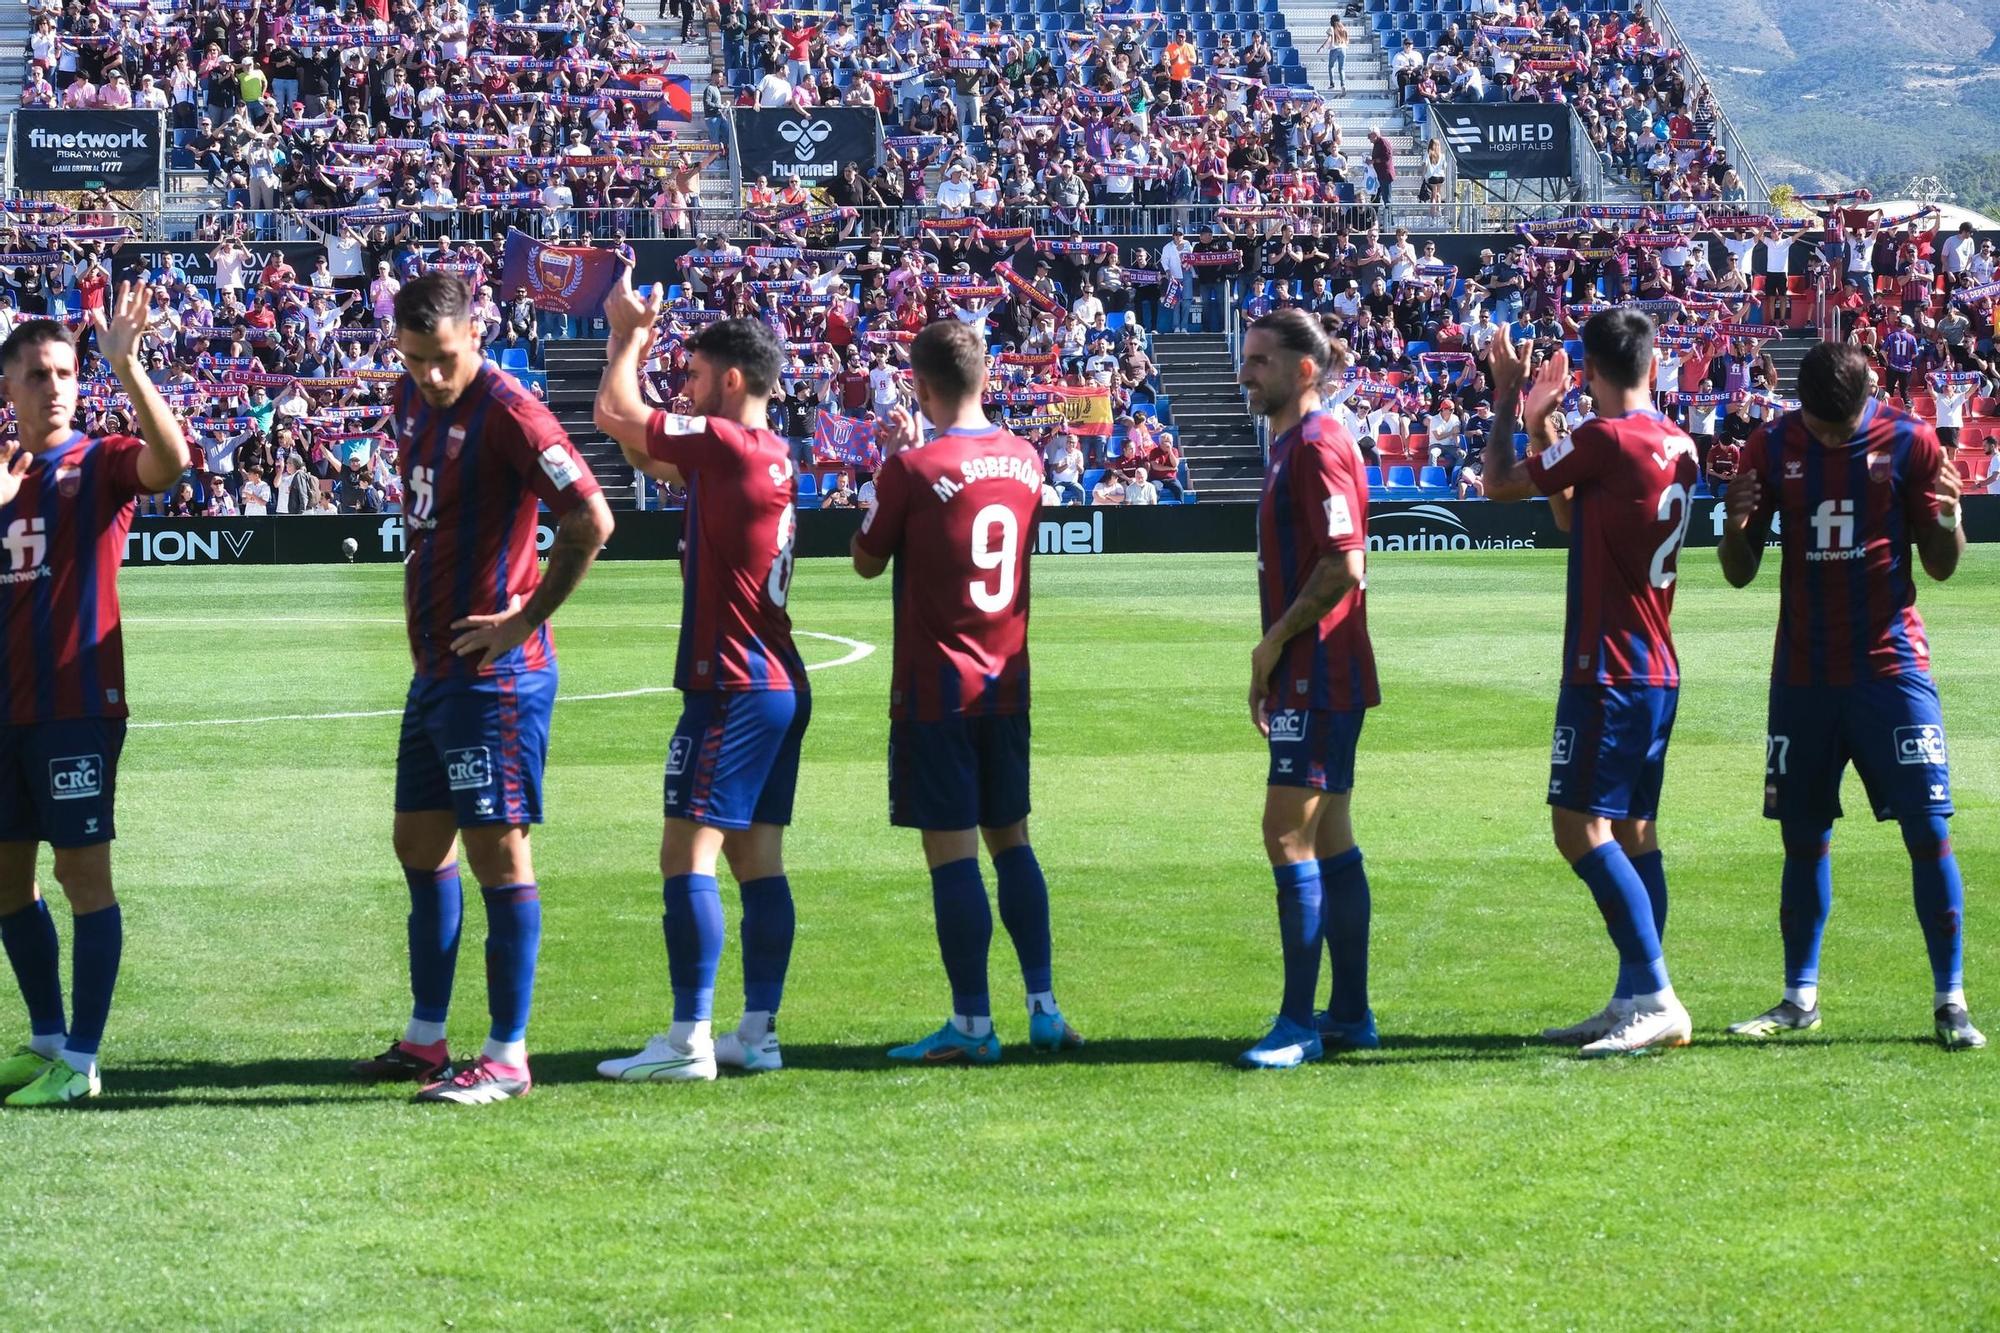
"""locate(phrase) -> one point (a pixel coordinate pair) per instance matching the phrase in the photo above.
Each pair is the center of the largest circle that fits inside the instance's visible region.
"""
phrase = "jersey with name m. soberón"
(1633, 480)
(473, 474)
(958, 515)
(736, 554)
(1847, 594)
(62, 538)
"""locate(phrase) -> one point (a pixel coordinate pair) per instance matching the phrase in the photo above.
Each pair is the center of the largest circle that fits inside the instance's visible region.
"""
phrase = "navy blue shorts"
(58, 781)
(1891, 730)
(965, 772)
(476, 747)
(1610, 751)
(1314, 748)
(734, 758)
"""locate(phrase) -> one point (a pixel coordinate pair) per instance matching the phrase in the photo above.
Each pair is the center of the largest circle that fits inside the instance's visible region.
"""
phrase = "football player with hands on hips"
(66, 504)
(957, 516)
(1312, 682)
(1629, 475)
(733, 761)
(1854, 484)
(479, 455)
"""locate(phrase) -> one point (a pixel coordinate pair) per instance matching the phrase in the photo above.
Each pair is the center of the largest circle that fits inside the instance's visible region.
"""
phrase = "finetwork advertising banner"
(1508, 140)
(811, 145)
(87, 150)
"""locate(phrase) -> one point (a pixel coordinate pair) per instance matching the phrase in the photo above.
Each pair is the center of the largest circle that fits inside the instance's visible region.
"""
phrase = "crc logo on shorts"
(469, 769)
(1564, 747)
(1287, 726)
(677, 755)
(80, 777)
(1921, 745)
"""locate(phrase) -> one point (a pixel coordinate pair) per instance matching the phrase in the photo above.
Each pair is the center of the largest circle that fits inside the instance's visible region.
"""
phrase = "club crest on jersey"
(454, 442)
(1923, 744)
(78, 777)
(1287, 726)
(69, 480)
(1878, 467)
(469, 769)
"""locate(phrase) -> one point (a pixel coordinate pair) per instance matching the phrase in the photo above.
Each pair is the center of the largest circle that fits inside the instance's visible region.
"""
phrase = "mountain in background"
(1830, 94)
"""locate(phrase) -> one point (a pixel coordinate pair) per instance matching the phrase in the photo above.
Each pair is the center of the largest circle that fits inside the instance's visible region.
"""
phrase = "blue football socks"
(769, 922)
(513, 941)
(1940, 899)
(1301, 932)
(965, 934)
(694, 930)
(1346, 907)
(99, 943)
(1805, 899)
(1024, 911)
(29, 936)
(1628, 915)
(437, 911)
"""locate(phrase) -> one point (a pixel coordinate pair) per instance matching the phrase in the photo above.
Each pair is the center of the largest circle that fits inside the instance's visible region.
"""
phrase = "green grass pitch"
(1464, 1176)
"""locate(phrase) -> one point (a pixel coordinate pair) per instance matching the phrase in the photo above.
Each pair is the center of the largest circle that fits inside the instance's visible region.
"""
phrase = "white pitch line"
(856, 650)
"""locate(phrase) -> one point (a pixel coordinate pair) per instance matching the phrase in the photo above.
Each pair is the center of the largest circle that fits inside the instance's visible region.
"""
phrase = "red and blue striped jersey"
(472, 476)
(959, 516)
(62, 538)
(736, 553)
(1847, 600)
(1315, 503)
(1633, 480)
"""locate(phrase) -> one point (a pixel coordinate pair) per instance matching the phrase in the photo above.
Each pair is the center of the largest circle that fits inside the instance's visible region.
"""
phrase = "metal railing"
(1754, 185)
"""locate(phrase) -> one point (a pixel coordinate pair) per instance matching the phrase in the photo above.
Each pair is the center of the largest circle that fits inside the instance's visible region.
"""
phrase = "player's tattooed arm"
(1337, 574)
(1939, 546)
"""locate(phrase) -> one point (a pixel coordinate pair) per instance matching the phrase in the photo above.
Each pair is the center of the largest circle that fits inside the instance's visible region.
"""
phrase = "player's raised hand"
(492, 637)
(897, 432)
(1545, 394)
(1741, 499)
(119, 337)
(630, 314)
(1506, 364)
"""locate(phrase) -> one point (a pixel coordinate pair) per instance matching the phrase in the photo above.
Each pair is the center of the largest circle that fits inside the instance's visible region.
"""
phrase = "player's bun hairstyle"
(1620, 343)
(1833, 382)
(951, 358)
(33, 334)
(432, 299)
(749, 346)
(1302, 333)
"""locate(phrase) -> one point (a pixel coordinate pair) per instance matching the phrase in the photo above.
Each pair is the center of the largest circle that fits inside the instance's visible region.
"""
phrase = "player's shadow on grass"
(225, 1083)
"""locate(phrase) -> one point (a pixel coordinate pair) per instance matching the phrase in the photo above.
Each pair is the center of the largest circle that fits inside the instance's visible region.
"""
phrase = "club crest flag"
(568, 279)
(1088, 409)
(839, 439)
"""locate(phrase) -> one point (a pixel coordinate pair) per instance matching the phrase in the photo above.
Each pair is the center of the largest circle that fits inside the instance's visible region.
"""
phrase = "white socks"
(969, 1026)
(1042, 1001)
(756, 1026)
(689, 1035)
(82, 1064)
(1939, 999)
(514, 1053)
(419, 1033)
(1657, 1002)
(1805, 997)
(49, 1047)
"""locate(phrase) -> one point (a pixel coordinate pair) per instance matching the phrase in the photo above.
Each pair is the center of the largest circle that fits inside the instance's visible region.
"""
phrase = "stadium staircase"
(1198, 372)
(574, 367)
(1370, 99)
(16, 23)
(1786, 353)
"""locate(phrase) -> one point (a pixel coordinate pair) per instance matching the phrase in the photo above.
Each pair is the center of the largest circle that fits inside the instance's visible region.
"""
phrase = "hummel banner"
(812, 145)
(1508, 140)
(87, 150)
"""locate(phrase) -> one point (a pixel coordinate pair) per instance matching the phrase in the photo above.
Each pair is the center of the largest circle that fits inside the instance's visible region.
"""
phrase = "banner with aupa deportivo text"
(811, 146)
(1508, 140)
(56, 149)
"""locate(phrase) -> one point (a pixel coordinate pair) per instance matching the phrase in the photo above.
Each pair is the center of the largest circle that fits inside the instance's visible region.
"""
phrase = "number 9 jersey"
(959, 516)
(1633, 477)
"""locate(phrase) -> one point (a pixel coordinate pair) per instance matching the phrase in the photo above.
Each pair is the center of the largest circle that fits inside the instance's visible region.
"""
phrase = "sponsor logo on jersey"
(77, 777)
(469, 769)
(561, 468)
(677, 755)
(1794, 469)
(1923, 744)
(1940, 792)
(1288, 725)
(1565, 745)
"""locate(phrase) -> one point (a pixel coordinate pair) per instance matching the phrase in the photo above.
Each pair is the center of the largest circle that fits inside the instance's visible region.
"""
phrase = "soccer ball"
(348, 549)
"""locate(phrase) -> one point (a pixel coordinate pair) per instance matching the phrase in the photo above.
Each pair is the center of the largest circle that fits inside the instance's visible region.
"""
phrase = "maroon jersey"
(1847, 602)
(736, 555)
(62, 538)
(472, 474)
(959, 516)
(1633, 477)
(1315, 503)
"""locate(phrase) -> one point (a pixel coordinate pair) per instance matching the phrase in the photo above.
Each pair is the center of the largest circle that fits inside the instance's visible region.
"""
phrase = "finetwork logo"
(1432, 527)
(41, 140)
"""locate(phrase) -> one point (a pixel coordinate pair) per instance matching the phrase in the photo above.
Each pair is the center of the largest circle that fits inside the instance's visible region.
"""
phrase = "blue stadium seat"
(808, 491)
(1374, 478)
(1417, 348)
(513, 358)
(1434, 482)
(1403, 479)
(1091, 476)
